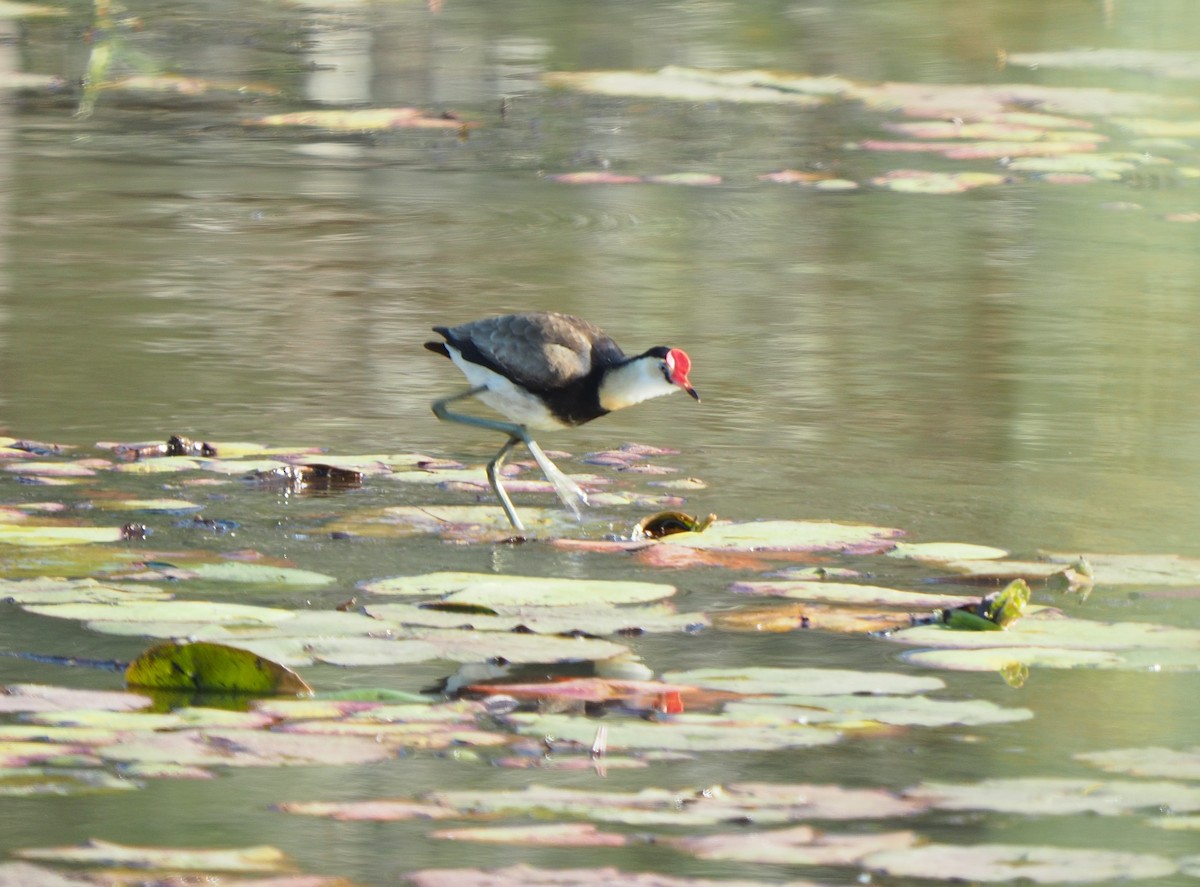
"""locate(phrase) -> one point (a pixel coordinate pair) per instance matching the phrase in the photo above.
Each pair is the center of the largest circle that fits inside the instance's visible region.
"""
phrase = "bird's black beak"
(694, 393)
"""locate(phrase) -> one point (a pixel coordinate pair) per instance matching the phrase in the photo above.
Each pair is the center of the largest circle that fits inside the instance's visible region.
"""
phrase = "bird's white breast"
(503, 396)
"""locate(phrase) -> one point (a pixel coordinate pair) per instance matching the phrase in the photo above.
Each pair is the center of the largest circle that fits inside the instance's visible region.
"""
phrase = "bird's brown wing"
(537, 351)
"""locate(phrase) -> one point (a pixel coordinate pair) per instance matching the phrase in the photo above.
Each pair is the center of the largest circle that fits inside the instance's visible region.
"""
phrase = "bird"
(545, 370)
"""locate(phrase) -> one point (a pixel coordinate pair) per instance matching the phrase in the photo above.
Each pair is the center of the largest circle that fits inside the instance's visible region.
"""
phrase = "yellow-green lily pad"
(498, 590)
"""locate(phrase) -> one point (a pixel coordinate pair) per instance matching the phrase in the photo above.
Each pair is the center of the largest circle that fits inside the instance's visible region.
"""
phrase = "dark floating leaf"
(668, 523)
(208, 666)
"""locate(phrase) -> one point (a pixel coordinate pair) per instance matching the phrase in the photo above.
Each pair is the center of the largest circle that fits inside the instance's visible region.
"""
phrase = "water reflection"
(1015, 367)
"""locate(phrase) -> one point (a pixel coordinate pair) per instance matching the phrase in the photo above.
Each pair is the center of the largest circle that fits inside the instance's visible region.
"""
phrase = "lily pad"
(563, 834)
(523, 875)
(1051, 796)
(25, 782)
(1014, 862)
(688, 732)
(1107, 569)
(76, 591)
(33, 535)
(904, 711)
(848, 593)
(812, 681)
(1160, 762)
(595, 620)
(492, 590)
(782, 535)
(1112, 645)
(362, 120)
(97, 852)
(799, 845)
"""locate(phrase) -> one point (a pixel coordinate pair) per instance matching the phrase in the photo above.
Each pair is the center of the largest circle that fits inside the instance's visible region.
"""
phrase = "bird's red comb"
(680, 365)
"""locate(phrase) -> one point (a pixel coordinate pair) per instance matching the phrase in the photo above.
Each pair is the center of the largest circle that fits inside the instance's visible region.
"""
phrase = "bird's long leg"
(493, 476)
(568, 491)
(516, 433)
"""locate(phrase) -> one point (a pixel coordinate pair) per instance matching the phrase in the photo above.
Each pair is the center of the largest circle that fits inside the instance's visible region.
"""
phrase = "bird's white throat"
(633, 382)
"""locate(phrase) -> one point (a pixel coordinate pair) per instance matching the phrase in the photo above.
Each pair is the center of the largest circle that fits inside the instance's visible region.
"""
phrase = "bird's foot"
(569, 492)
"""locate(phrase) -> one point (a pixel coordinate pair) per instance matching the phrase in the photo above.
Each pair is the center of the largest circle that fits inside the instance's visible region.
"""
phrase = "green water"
(1014, 366)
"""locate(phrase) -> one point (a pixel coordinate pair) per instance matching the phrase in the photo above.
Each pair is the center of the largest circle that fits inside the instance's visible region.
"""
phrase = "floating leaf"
(1107, 569)
(264, 574)
(363, 120)
(904, 711)
(1014, 862)
(32, 535)
(38, 697)
(200, 612)
(813, 681)
(97, 852)
(600, 619)
(806, 616)
(689, 732)
(1046, 796)
(523, 875)
(1161, 762)
(939, 552)
(25, 782)
(782, 535)
(799, 845)
(695, 85)
(76, 591)
(668, 523)
(847, 593)
(573, 834)
(493, 590)
(914, 181)
(207, 666)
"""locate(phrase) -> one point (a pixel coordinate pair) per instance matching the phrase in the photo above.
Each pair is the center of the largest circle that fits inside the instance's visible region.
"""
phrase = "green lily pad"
(490, 590)
(1107, 569)
(848, 593)
(938, 552)
(1057, 797)
(1000, 658)
(199, 612)
(33, 535)
(170, 506)
(522, 875)
(596, 620)
(560, 834)
(799, 845)
(687, 732)
(756, 802)
(97, 852)
(25, 782)
(1140, 645)
(401, 521)
(695, 85)
(813, 681)
(905, 711)
(40, 697)
(1160, 762)
(75, 591)
(246, 748)
(257, 574)
(1015, 862)
(782, 535)
(208, 666)
(914, 181)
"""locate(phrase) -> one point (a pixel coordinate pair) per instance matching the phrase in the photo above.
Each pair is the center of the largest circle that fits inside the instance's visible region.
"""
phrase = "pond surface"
(1014, 365)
